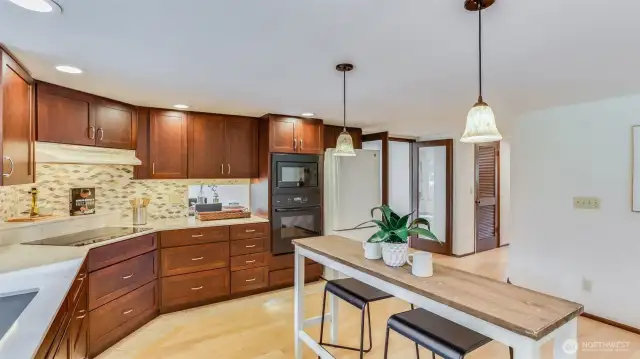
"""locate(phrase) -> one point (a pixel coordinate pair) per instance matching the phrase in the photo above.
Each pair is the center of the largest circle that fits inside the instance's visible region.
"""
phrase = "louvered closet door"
(487, 207)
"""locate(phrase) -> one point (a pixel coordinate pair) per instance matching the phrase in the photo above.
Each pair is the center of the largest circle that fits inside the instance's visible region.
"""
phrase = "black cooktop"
(84, 238)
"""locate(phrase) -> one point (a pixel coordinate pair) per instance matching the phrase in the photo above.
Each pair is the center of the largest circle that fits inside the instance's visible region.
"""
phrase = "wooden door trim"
(448, 144)
(383, 137)
(496, 145)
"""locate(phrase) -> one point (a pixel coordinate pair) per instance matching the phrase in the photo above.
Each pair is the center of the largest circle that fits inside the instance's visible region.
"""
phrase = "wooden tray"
(39, 218)
(214, 216)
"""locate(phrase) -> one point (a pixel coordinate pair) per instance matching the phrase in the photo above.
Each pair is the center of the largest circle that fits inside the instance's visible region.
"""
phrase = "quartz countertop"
(51, 270)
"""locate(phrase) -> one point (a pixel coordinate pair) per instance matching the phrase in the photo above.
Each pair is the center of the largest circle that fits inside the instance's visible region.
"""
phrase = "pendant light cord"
(344, 100)
(480, 48)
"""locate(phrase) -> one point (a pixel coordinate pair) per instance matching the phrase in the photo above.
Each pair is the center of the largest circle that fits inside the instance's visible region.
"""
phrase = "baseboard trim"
(504, 245)
(463, 255)
(612, 323)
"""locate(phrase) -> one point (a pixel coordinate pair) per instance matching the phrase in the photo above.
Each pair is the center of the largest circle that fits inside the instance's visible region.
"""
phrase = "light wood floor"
(261, 327)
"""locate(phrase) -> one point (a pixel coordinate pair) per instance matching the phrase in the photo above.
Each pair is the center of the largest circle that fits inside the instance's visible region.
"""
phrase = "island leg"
(298, 303)
(334, 308)
(566, 345)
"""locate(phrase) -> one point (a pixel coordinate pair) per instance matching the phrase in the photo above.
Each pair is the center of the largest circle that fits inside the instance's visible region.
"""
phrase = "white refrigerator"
(352, 187)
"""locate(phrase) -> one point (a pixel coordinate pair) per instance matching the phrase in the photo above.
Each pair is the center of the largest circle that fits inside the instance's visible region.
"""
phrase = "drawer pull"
(197, 235)
(249, 230)
(249, 262)
(197, 288)
(82, 276)
(128, 276)
(250, 280)
(251, 246)
(197, 259)
(83, 313)
(127, 311)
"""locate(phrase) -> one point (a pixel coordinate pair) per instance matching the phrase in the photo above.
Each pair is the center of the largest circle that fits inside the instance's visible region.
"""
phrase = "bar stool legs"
(361, 349)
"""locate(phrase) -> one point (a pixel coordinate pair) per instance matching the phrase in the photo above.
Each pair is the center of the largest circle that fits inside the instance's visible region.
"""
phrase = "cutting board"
(32, 219)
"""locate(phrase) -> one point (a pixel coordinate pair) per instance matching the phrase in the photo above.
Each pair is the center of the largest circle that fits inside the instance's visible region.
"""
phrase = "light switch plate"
(586, 202)
(587, 285)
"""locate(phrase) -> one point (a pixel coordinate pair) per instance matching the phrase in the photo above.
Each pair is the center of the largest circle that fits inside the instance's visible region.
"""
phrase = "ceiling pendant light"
(344, 144)
(481, 122)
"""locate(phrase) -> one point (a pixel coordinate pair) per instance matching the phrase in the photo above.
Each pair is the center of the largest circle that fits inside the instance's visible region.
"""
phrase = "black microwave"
(295, 172)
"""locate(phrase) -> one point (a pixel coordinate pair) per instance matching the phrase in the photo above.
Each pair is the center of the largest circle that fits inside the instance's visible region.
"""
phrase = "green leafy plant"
(396, 229)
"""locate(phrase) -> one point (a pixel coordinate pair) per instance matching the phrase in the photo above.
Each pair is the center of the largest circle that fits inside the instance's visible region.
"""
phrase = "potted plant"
(394, 232)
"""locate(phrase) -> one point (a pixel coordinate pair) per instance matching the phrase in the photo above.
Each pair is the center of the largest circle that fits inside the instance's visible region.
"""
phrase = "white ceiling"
(415, 59)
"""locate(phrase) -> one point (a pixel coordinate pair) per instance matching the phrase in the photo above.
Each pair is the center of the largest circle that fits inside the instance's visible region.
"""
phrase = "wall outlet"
(586, 203)
(176, 199)
(587, 285)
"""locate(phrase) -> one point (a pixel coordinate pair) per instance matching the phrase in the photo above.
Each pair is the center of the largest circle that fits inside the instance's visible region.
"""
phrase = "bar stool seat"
(441, 336)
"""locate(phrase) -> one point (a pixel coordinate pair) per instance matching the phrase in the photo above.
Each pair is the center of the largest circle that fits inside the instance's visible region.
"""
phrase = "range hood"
(59, 153)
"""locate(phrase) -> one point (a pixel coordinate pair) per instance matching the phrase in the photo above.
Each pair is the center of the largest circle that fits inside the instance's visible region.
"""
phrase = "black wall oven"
(294, 216)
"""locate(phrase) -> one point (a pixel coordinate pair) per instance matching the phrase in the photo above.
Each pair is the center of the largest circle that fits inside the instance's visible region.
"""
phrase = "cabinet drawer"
(103, 343)
(249, 279)
(187, 237)
(252, 230)
(194, 288)
(121, 310)
(78, 286)
(105, 256)
(284, 261)
(248, 246)
(284, 277)
(113, 282)
(190, 259)
(249, 261)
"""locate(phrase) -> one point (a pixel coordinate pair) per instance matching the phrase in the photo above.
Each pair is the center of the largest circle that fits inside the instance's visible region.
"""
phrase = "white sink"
(11, 306)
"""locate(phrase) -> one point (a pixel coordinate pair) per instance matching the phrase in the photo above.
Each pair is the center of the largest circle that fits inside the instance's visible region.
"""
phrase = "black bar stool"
(441, 336)
(359, 295)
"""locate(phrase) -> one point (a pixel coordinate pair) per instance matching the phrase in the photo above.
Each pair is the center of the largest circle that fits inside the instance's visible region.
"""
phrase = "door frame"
(476, 200)
(383, 137)
(431, 246)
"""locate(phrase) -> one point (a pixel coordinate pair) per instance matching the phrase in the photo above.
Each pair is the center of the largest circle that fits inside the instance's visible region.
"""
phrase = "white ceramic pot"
(372, 250)
(395, 254)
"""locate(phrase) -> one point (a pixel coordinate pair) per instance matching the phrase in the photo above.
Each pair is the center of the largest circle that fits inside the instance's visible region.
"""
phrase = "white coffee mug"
(422, 264)
(372, 250)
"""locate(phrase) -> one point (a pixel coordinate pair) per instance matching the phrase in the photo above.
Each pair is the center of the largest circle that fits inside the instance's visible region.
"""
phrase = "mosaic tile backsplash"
(114, 185)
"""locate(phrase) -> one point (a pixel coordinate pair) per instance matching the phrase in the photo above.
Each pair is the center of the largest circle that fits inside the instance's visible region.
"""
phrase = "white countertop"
(51, 270)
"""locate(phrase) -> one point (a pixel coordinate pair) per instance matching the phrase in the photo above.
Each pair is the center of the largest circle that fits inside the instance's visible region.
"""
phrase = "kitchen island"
(517, 317)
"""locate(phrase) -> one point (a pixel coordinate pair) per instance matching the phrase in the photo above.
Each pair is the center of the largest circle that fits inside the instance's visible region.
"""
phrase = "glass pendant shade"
(344, 145)
(481, 125)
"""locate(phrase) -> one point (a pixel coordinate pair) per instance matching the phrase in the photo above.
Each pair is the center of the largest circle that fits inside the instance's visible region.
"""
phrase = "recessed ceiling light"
(68, 69)
(308, 114)
(39, 5)
(182, 107)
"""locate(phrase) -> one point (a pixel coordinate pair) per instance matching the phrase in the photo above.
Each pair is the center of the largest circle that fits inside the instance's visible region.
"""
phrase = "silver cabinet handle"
(92, 132)
(295, 144)
(7, 175)
(249, 262)
(101, 131)
(250, 280)
(83, 313)
(249, 230)
(153, 168)
(251, 246)
(127, 311)
(197, 235)
(228, 169)
(222, 168)
(197, 259)
(128, 276)
(300, 144)
(197, 288)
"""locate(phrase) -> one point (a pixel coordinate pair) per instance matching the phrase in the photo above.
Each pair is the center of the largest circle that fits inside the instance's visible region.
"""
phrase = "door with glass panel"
(433, 192)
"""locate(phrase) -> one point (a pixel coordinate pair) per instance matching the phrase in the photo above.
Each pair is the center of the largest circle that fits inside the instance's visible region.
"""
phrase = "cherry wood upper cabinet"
(16, 119)
(222, 146)
(295, 135)
(331, 134)
(207, 147)
(168, 144)
(114, 124)
(78, 118)
(310, 136)
(241, 136)
(64, 116)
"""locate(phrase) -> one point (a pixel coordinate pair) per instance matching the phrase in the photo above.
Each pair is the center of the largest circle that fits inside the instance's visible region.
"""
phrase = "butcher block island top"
(523, 311)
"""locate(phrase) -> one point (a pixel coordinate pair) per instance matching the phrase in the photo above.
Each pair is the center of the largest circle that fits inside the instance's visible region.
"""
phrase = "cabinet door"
(79, 329)
(283, 135)
(62, 352)
(206, 146)
(241, 135)
(168, 144)
(17, 124)
(114, 124)
(310, 136)
(63, 116)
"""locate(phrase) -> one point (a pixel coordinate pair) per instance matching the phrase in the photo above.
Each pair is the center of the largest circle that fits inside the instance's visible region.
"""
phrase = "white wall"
(505, 191)
(580, 150)
(400, 176)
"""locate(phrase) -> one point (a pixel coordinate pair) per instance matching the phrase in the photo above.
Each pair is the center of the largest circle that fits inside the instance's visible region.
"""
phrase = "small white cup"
(422, 264)
(372, 250)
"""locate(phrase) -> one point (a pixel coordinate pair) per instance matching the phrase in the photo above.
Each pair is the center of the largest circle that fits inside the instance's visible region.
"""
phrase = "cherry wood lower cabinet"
(189, 259)
(188, 290)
